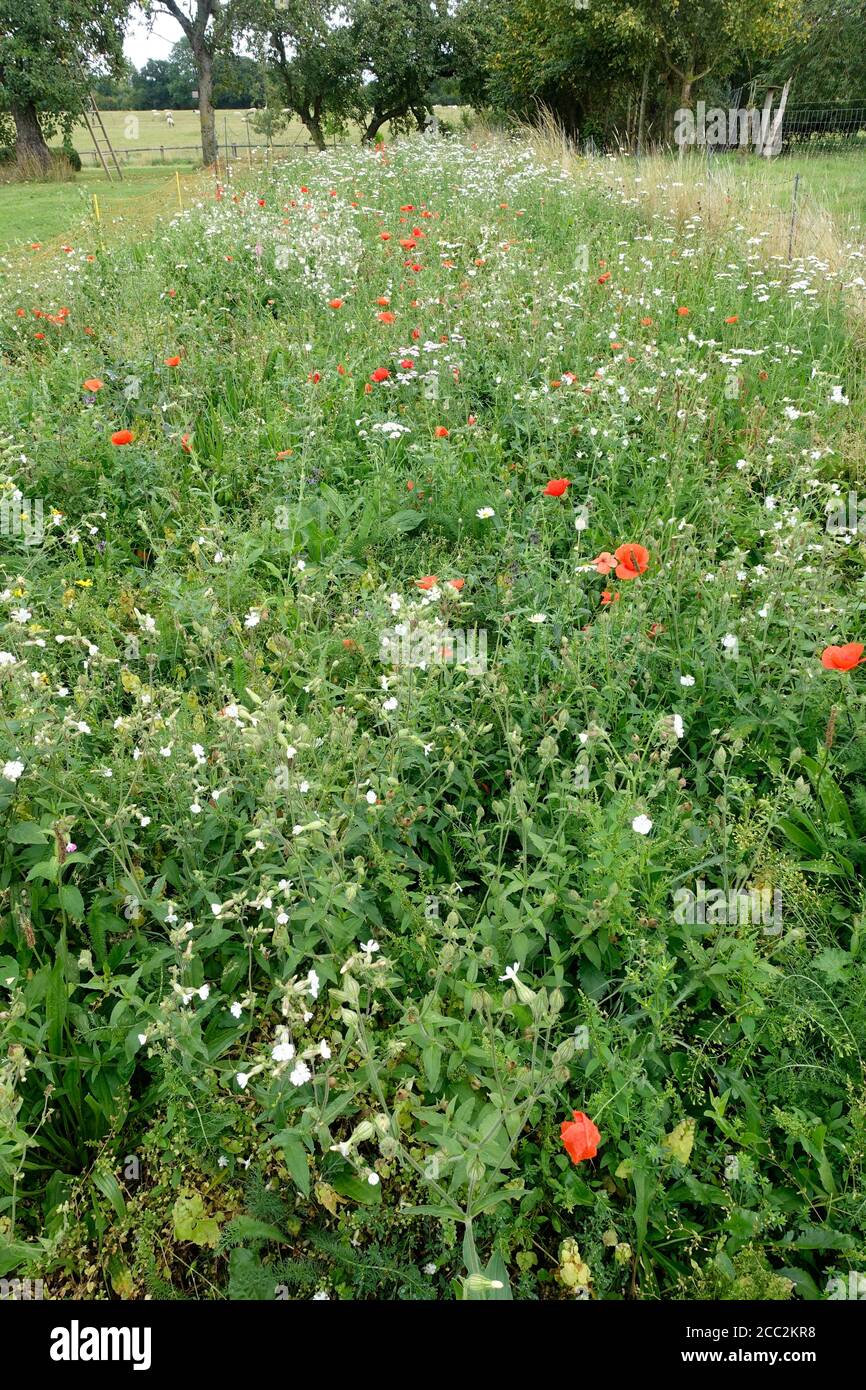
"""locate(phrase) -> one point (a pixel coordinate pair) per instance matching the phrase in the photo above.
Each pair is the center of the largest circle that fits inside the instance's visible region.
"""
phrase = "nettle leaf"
(26, 832)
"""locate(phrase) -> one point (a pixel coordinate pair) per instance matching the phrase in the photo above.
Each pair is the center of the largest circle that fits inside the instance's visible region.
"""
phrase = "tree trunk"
(377, 120)
(30, 146)
(314, 126)
(641, 120)
(204, 71)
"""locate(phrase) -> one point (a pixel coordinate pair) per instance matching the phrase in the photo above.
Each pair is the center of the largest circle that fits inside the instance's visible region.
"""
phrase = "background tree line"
(598, 67)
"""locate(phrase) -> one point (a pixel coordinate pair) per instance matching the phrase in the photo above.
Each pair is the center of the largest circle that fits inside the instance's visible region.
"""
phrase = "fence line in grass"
(168, 154)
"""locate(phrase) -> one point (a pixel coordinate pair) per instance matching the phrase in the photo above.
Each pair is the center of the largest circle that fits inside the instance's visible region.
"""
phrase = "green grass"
(140, 137)
(332, 888)
(836, 181)
(47, 213)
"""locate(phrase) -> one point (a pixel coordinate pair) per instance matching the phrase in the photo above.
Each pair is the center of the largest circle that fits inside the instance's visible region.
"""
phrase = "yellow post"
(96, 213)
(179, 198)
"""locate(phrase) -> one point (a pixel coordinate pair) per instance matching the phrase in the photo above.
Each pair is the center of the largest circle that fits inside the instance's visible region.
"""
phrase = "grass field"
(433, 735)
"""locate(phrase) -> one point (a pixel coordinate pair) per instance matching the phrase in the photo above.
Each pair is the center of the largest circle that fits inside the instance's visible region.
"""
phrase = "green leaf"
(56, 1004)
(191, 1221)
(71, 901)
(296, 1159)
(107, 1184)
(360, 1191)
(247, 1228)
(432, 1060)
(26, 832)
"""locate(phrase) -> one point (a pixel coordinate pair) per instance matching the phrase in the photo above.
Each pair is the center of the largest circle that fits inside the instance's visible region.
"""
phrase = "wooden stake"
(179, 198)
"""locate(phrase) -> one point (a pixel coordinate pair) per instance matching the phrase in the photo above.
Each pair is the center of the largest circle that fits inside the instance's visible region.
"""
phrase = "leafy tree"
(311, 56)
(205, 26)
(826, 54)
(152, 86)
(612, 62)
(49, 51)
(401, 48)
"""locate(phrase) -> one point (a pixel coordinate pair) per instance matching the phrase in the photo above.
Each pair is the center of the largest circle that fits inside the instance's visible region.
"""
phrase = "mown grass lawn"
(46, 214)
(432, 741)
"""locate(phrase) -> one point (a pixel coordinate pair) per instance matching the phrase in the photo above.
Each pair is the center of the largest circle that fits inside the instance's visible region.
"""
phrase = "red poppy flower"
(580, 1137)
(456, 584)
(384, 236)
(607, 597)
(380, 374)
(633, 560)
(427, 582)
(172, 361)
(386, 317)
(407, 364)
(556, 487)
(92, 384)
(383, 300)
(20, 313)
(732, 318)
(843, 658)
(603, 279)
(646, 323)
(122, 437)
(683, 311)
(185, 443)
(335, 304)
(410, 486)
(441, 432)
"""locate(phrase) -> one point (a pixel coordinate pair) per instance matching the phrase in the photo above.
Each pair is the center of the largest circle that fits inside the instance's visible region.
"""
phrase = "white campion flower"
(283, 1052)
(7, 659)
(21, 615)
(13, 770)
(313, 983)
(390, 704)
(253, 618)
(679, 728)
(373, 1178)
(370, 946)
(324, 1051)
(687, 680)
(642, 825)
(300, 1075)
(538, 618)
(235, 1010)
(242, 1078)
(371, 798)
(204, 992)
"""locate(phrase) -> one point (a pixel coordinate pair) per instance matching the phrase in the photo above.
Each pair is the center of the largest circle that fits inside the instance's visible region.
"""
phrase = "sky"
(142, 42)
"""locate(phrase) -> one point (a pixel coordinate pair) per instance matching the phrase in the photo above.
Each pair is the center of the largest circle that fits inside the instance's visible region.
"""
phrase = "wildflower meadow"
(432, 741)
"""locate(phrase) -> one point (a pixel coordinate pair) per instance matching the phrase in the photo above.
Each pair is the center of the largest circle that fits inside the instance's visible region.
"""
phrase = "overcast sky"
(142, 42)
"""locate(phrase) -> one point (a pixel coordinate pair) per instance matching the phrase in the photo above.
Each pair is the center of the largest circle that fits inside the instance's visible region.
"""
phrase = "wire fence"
(824, 128)
(234, 151)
